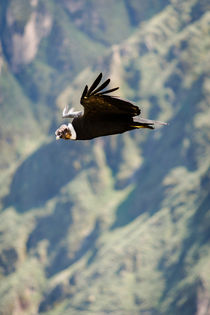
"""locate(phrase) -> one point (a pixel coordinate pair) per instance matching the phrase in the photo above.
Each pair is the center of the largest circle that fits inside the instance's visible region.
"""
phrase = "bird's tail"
(146, 123)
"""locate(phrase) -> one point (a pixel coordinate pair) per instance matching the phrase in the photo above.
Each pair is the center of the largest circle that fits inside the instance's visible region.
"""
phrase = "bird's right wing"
(96, 102)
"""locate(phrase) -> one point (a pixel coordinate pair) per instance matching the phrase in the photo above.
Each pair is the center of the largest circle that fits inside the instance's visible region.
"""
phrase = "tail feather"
(148, 121)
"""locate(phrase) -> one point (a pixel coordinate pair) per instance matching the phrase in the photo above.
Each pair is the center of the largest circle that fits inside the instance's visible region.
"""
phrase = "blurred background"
(116, 225)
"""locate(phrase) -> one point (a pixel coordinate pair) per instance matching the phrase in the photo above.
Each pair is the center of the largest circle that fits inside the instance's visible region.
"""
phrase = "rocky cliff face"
(118, 224)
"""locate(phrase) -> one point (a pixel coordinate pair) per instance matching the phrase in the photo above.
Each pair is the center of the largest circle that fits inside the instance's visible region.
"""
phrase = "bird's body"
(87, 129)
(103, 115)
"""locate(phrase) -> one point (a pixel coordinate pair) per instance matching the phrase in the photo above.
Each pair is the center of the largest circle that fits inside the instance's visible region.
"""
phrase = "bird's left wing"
(96, 102)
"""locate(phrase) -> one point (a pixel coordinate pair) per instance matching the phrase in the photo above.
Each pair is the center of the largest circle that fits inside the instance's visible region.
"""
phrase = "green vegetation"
(117, 225)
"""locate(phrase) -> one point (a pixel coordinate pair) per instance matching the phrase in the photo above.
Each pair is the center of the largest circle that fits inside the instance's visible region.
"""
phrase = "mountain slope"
(118, 224)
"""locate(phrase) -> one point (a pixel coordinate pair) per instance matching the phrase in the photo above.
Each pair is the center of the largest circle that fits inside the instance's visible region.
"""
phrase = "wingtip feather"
(95, 84)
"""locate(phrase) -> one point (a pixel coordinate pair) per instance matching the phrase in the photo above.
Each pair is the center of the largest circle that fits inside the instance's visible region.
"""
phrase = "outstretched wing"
(96, 102)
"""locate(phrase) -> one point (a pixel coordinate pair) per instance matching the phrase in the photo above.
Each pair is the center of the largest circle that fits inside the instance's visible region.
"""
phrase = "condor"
(103, 115)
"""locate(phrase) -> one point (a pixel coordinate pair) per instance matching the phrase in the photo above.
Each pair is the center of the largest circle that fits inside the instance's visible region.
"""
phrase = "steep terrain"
(117, 225)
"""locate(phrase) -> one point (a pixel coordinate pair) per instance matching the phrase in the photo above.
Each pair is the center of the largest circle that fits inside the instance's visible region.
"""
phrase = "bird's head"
(63, 132)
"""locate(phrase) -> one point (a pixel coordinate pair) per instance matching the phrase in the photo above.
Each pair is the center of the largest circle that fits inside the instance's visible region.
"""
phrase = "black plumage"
(103, 115)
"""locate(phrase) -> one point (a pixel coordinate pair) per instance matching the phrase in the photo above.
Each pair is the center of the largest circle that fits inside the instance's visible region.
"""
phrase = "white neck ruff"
(73, 132)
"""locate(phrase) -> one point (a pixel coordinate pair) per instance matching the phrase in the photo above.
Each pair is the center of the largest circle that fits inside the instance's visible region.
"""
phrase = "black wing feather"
(107, 91)
(84, 93)
(101, 87)
(95, 84)
(121, 105)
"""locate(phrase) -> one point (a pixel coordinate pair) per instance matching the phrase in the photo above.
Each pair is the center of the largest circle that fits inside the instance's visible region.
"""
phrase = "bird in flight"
(103, 115)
